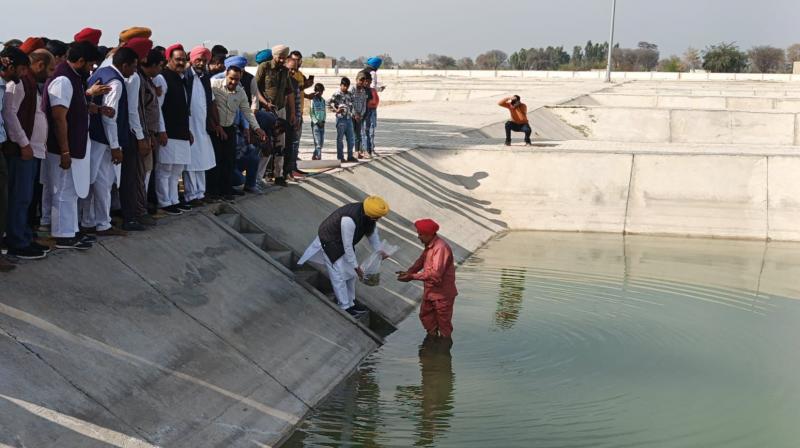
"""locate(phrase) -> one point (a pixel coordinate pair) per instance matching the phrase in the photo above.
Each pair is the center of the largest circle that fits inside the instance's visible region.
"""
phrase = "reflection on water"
(604, 341)
(509, 299)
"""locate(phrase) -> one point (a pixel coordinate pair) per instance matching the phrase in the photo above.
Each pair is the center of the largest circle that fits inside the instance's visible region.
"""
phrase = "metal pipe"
(611, 40)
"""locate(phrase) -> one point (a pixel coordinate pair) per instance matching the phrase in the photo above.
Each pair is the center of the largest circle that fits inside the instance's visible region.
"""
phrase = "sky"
(408, 29)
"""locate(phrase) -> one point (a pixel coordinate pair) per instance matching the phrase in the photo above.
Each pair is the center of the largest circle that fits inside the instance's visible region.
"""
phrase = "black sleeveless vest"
(330, 231)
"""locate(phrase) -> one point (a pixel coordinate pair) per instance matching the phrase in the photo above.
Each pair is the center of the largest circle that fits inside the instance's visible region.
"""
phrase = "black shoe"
(281, 182)
(184, 207)
(229, 199)
(28, 253)
(172, 210)
(352, 159)
(354, 312)
(213, 199)
(528, 143)
(360, 308)
(41, 247)
(91, 239)
(146, 220)
(197, 203)
(238, 193)
(508, 142)
(72, 243)
(133, 226)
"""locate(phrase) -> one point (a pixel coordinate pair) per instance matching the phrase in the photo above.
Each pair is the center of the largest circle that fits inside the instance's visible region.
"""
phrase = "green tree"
(318, 55)
(441, 62)
(671, 64)
(724, 58)
(767, 59)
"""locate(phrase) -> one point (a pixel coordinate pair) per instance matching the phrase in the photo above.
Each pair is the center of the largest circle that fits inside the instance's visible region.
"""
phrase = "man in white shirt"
(27, 131)
(108, 137)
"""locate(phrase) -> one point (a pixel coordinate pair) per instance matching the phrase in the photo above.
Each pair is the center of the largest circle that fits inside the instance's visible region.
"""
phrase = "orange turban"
(136, 31)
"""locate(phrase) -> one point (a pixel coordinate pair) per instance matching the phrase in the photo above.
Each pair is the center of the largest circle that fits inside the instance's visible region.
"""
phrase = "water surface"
(590, 340)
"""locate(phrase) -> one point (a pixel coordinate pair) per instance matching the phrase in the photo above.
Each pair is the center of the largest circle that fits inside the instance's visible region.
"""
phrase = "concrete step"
(232, 220)
(256, 238)
(310, 277)
(283, 257)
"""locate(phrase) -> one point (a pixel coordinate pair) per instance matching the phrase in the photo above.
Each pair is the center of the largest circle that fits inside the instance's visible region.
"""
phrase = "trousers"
(64, 211)
(21, 178)
(167, 176)
(220, 180)
(194, 185)
(437, 315)
(526, 128)
(96, 207)
(132, 194)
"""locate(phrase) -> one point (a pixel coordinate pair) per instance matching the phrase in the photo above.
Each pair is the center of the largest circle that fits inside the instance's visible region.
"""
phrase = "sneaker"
(197, 203)
(261, 183)
(184, 207)
(508, 143)
(133, 226)
(112, 231)
(28, 253)
(91, 239)
(146, 220)
(72, 243)
(281, 182)
(360, 308)
(42, 247)
(6, 266)
(172, 210)
(354, 312)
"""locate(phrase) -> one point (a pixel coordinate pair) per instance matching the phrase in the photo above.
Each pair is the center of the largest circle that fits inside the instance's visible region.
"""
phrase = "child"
(317, 113)
(360, 98)
(341, 103)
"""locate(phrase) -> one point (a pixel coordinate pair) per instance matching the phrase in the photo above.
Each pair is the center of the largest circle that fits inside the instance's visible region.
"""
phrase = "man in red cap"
(32, 44)
(90, 35)
(436, 269)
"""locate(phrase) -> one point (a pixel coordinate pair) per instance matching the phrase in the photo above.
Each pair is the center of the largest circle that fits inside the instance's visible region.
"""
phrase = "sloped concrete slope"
(178, 337)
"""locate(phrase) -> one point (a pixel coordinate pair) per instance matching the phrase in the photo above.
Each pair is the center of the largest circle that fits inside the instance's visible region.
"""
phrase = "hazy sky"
(407, 29)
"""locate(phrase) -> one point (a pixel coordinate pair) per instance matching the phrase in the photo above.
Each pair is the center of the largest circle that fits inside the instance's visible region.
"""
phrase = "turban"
(32, 44)
(426, 226)
(171, 48)
(141, 46)
(375, 207)
(280, 50)
(375, 62)
(264, 56)
(200, 52)
(235, 61)
(90, 35)
(136, 31)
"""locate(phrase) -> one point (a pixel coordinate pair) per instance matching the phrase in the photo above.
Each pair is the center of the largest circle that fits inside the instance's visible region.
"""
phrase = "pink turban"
(200, 52)
(141, 46)
(426, 227)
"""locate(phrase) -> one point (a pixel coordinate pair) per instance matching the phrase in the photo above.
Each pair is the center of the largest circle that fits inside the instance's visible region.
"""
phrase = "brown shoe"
(112, 231)
(5, 265)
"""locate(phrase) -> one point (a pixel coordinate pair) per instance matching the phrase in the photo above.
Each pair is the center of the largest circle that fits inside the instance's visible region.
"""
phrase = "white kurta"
(202, 150)
(342, 273)
(60, 93)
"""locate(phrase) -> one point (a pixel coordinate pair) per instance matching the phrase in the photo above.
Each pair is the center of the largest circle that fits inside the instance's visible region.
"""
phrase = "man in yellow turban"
(136, 31)
(335, 247)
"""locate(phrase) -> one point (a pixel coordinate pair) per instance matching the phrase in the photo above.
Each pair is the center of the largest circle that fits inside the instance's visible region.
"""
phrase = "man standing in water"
(335, 247)
(436, 269)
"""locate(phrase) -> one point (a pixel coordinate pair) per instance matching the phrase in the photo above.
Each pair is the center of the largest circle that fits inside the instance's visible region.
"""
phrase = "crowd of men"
(88, 131)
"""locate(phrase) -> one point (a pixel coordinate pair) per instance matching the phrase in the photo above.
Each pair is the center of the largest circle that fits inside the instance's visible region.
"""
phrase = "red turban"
(89, 35)
(200, 52)
(31, 44)
(426, 227)
(171, 48)
(140, 45)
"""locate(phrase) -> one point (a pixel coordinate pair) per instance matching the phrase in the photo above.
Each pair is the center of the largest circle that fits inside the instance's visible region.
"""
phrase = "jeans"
(511, 126)
(296, 145)
(21, 175)
(368, 131)
(357, 125)
(319, 138)
(344, 129)
(247, 161)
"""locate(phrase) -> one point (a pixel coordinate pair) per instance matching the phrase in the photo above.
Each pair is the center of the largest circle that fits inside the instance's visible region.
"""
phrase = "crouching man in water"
(436, 269)
(335, 247)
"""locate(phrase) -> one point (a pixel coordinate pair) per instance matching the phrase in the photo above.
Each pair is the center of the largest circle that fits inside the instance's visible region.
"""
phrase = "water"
(581, 340)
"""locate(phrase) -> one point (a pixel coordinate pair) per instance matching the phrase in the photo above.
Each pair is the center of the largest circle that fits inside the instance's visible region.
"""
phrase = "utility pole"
(611, 40)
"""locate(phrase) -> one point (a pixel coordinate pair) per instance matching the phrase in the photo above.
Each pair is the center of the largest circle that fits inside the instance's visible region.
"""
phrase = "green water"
(581, 340)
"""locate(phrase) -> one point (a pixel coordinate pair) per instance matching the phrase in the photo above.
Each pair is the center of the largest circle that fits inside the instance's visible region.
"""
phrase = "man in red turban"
(436, 269)
(88, 35)
(31, 44)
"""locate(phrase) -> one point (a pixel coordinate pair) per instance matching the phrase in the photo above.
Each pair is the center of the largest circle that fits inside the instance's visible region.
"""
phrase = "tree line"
(725, 57)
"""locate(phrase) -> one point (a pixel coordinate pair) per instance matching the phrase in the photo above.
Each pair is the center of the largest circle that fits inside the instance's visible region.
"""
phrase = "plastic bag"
(372, 265)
